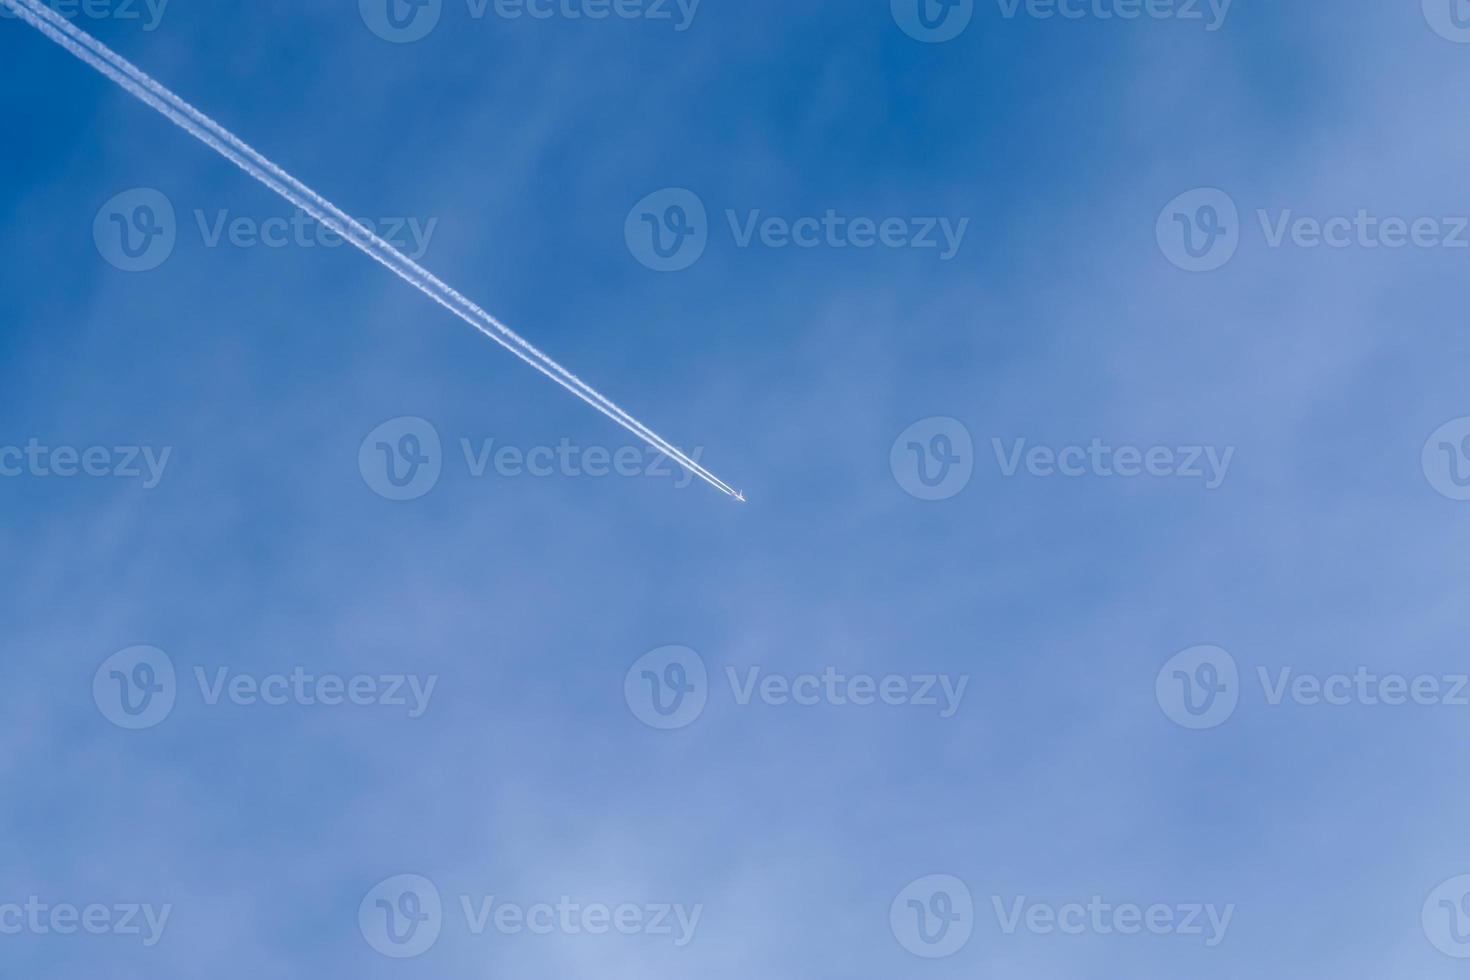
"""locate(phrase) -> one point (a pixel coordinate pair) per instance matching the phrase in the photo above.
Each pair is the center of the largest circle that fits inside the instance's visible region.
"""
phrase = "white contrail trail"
(222, 141)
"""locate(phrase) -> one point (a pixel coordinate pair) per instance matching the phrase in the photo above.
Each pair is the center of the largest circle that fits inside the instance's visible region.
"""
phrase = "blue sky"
(1072, 765)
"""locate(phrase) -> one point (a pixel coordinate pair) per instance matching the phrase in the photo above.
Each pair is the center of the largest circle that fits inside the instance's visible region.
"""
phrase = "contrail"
(136, 82)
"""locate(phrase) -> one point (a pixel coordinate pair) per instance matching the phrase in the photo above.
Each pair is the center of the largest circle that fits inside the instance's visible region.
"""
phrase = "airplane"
(740, 496)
